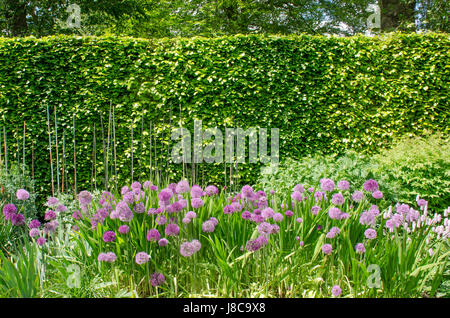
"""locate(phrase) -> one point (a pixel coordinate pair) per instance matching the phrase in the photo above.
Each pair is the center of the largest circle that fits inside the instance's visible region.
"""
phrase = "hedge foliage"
(325, 94)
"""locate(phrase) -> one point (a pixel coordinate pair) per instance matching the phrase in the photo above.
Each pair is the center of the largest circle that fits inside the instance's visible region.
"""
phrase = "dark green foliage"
(325, 94)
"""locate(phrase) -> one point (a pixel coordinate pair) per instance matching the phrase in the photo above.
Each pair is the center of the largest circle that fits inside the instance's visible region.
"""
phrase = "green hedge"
(326, 94)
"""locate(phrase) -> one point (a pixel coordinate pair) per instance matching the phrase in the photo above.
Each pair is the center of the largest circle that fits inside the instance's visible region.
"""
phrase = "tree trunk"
(16, 15)
(397, 14)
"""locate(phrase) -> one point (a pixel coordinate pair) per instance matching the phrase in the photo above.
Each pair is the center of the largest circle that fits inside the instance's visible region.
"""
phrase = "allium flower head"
(191, 215)
(275, 229)
(377, 194)
(267, 213)
(34, 232)
(247, 192)
(139, 208)
(264, 228)
(196, 191)
(211, 190)
(296, 196)
(153, 188)
(157, 279)
(246, 215)
(370, 234)
(327, 249)
(335, 213)
(52, 201)
(187, 249)
(343, 185)
(182, 186)
(337, 199)
(165, 194)
(76, 215)
(61, 208)
(163, 242)
(124, 190)
(124, 212)
(41, 241)
(327, 184)
(289, 213)
(357, 196)
(336, 291)
(22, 194)
(153, 235)
(161, 220)
(34, 224)
(9, 210)
(208, 226)
(147, 184)
(278, 217)
(315, 209)
(196, 203)
(84, 197)
(370, 185)
(333, 232)
(422, 202)
(142, 258)
(109, 257)
(172, 229)
(300, 188)
(124, 229)
(109, 236)
(367, 218)
(136, 185)
(360, 248)
(214, 220)
(318, 195)
(49, 215)
(197, 245)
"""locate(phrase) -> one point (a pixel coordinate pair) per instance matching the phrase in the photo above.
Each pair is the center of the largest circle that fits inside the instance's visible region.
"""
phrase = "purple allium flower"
(124, 229)
(161, 220)
(272, 192)
(370, 234)
(61, 208)
(267, 213)
(136, 185)
(208, 226)
(422, 202)
(311, 189)
(34, 232)
(253, 246)
(319, 227)
(157, 279)
(187, 249)
(142, 258)
(153, 188)
(214, 220)
(41, 241)
(327, 184)
(182, 186)
(153, 235)
(172, 229)
(327, 249)
(367, 218)
(360, 248)
(196, 203)
(186, 220)
(333, 232)
(147, 184)
(22, 194)
(343, 185)
(236, 207)
(262, 240)
(52, 201)
(264, 228)
(129, 197)
(370, 185)
(357, 196)
(34, 224)
(124, 190)
(299, 220)
(50, 215)
(334, 213)
(163, 242)
(300, 188)
(377, 194)
(76, 215)
(315, 209)
(246, 215)
(109, 236)
(402, 208)
(228, 209)
(9, 210)
(84, 197)
(102, 213)
(17, 219)
(275, 229)
(197, 245)
(247, 192)
(191, 215)
(196, 191)
(336, 291)
(124, 212)
(318, 195)
(289, 213)
(165, 195)
(278, 217)
(211, 190)
(139, 208)
(301, 243)
(296, 196)
(337, 199)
